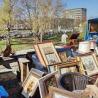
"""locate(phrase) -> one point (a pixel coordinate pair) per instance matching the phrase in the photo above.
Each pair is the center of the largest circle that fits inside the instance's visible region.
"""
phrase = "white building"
(77, 13)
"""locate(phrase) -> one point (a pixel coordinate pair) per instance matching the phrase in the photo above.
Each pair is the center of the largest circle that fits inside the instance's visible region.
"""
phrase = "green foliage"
(16, 44)
(2, 45)
(54, 37)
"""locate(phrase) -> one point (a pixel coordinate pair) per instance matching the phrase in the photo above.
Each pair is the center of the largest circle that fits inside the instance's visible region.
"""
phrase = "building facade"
(77, 14)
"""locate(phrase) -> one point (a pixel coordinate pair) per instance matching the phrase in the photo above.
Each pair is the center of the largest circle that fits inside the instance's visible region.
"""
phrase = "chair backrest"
(73, 81)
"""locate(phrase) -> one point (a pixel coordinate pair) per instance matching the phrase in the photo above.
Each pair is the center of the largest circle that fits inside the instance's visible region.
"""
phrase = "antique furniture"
(31, 82)
(9, 64)
(47, 81)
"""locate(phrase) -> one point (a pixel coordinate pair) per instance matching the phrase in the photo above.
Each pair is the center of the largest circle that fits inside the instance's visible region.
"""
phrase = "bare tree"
(39, 14)
(7, 15)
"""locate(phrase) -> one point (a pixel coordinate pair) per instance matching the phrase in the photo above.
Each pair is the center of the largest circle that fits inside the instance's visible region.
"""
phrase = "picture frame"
(60, 93)
(23, 62)
(63, 56)
(68, 67)
(96, 51)
(31, 82)
(39, 55)
(89, 63)
(52, 68)
(49, 53)
(47, 81)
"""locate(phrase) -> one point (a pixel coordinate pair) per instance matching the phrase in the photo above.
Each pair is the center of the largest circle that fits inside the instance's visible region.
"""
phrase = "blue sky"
(1, 2)
(91, 5)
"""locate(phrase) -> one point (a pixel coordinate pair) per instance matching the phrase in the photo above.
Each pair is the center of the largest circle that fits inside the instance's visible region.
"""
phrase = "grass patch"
(2, 45)
(17, 44)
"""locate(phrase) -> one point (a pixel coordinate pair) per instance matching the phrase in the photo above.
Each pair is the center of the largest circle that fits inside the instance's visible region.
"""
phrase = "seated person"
(37, 63)
(73, 38)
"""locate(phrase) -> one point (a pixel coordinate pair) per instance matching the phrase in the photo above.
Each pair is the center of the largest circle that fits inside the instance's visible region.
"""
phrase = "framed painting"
(63, 70)
(23, 62)
(47, 81)
(96, 50)
(31, 83)
(62, 56)
(68, 67)
(90, 64)
(60, 93)
(74, 68)
(49, 53)
(38, 53)
(52, 68)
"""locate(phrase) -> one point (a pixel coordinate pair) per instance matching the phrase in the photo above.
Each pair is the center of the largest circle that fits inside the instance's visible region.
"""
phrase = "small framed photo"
(64, 70)
(49, 53)
(63, 56)
(90, 64)
(68, 67)
(31, 83)
(60, 93)
(52, 68)
(47, 81)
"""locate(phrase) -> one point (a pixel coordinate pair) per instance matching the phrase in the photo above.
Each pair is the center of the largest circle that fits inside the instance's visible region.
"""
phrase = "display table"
(3, 92)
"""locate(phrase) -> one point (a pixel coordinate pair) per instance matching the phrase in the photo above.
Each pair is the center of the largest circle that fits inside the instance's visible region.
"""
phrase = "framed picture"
(39, 55)
(49, 53)
(60, 93)
(96, 50)
(45, 82)
(68, 67)
(31, 83)
(64, 70)
(23, 62)
(90, 64)
(52, 68)
(74, 69)
(62, 56)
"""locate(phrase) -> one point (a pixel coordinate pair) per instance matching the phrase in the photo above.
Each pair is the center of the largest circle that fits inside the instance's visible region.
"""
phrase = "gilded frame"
(31, 83)
(49, 53)
(68, 67)
(90, 64)
(47, 81)
(63, 56)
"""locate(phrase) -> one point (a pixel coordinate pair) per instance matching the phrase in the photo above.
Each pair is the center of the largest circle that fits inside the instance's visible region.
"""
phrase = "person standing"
(64, 38)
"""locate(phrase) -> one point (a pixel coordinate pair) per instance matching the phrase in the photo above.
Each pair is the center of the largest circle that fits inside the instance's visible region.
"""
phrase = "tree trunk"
(41, 37)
